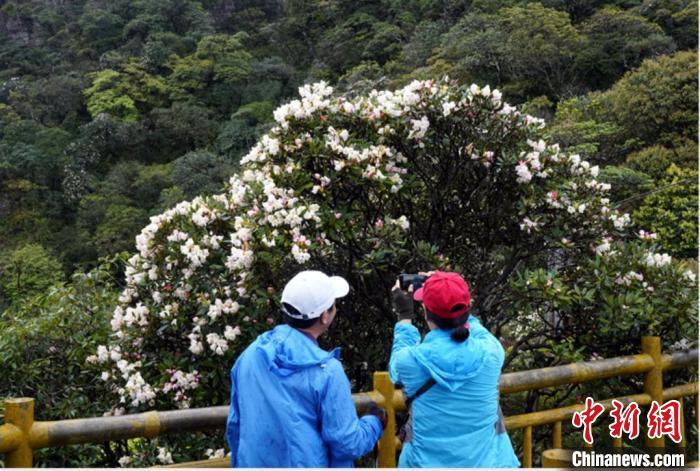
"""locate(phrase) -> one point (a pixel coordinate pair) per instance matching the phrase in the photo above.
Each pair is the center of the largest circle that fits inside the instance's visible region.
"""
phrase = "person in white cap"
(291, 404)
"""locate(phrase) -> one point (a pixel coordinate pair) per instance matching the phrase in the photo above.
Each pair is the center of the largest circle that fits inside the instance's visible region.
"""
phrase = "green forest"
(112, 112)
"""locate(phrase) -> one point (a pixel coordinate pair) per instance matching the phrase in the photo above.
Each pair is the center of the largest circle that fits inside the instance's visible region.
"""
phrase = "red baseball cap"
(445, 295)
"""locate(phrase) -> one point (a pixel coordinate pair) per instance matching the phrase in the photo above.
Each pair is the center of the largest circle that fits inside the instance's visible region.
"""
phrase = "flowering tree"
(431, 175)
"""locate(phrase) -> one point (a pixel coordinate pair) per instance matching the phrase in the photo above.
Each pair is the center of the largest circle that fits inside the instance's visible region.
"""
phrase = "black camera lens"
(408, 279)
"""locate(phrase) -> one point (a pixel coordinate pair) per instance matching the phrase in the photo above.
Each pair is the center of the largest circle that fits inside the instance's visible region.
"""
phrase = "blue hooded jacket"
(453, 423)
(291, 406)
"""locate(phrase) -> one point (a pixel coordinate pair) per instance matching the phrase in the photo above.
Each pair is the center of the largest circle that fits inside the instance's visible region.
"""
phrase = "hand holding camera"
(403, 304)
(402, 296)
(412, 281)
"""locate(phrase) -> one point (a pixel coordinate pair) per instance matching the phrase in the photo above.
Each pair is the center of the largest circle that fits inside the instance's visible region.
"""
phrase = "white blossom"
(529, 225)
(239, 259)
(219, 307)
(657, 260)
(603, 247)
(620, 222)
(196, 346)
(181, 381)
(164, 456)
(629, 277)
(448, 107)
(232, 332)
(524, 175)
(139, 391)
(215, 454)
(217, 344)
(194, 253)
(300, 255)
(419, 127)
(681, 345)
(401, 221)
(271, 145)
(644, 235)
(202, 216)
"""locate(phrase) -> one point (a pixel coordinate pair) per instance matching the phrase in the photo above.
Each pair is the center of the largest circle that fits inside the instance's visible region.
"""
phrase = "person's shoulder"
(242, 358)
(250, 349)
(332, 366)
(485, 341)
(478, 330)
(327, 376)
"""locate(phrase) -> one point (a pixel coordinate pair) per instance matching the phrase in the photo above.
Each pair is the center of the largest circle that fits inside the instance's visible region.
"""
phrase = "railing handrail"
(574, 373)
(42, 434)
(591, 370)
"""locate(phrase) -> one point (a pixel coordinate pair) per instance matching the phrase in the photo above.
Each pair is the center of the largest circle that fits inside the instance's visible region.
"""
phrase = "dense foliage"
(111, 112)
(369, 186)
(114, 112)
(43, 347)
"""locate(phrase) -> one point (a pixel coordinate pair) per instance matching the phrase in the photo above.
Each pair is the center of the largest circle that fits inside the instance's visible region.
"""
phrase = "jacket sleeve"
(347, 436)
(402, 367)
(233, 422)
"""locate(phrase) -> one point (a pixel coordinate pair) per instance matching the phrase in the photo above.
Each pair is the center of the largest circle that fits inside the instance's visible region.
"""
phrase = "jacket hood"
(450, 363)
(287, 350)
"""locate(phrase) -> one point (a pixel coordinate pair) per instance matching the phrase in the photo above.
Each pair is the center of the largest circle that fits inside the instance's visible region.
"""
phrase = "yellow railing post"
(20, 413)
(387, 444)
(556, 434)
(527, 447)
(654, 381)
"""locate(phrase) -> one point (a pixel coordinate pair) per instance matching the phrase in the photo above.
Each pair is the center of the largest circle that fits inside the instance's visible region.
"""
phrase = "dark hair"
(293, 321)
(460, 334)
(298, 323)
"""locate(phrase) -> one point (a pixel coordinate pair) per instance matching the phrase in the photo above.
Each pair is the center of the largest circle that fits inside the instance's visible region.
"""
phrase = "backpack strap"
(427, 385)
(500, 422)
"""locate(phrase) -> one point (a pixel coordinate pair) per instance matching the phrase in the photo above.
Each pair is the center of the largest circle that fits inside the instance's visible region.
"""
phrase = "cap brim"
(418, 295)
(340, 287)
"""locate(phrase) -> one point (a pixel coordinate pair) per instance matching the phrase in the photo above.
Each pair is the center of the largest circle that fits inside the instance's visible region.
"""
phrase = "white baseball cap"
(312, 292)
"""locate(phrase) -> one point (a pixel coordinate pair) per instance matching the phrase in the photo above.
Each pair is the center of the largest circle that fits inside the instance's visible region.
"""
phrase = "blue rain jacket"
(453, 423)
(291, 406)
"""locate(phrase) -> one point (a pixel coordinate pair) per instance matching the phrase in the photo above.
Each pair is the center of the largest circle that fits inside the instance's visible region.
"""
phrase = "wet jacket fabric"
(454, 423)
(291, 406)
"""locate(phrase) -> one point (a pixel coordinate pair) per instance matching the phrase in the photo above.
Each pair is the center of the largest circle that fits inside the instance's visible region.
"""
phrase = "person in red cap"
(450, 380)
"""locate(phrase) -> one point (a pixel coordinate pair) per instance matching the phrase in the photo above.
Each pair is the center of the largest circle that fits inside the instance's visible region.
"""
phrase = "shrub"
(26, 272)
(655, 160)
(671, 211)
(43, 349)
(431, 175)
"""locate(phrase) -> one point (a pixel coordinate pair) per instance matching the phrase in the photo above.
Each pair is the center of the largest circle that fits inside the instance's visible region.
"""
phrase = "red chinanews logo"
(664, 420)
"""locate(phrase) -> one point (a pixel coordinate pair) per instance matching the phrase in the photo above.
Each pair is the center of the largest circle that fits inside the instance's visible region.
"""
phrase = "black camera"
(408, 279)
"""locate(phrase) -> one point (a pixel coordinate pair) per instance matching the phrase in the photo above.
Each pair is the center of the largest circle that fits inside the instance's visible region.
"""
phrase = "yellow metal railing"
(20, 434)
